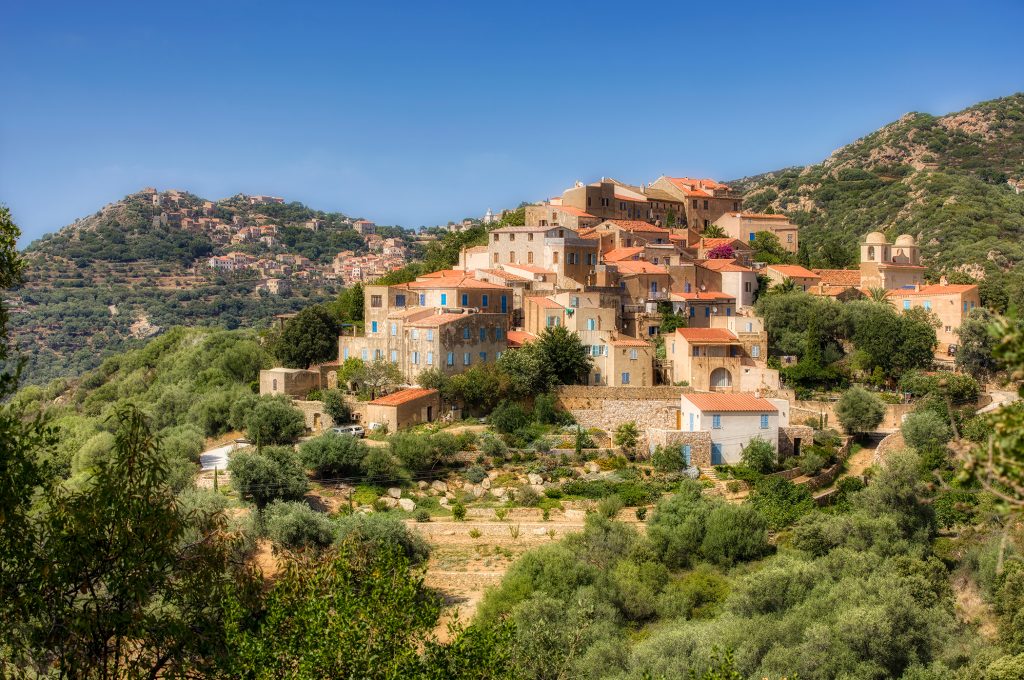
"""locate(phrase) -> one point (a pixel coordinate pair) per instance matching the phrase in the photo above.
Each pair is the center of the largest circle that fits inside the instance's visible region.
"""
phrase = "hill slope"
(943, 179)
(139, 265)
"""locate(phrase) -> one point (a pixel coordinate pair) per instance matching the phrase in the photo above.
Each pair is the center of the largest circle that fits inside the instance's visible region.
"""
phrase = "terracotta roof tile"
(730, 402)
(638, 225)
(724, 265)
(617, 254)
(839, 277)
(628, 341)
(519, 338)
(545, 303)
(758, 216)
(501, 274)
(707, 335)
(630, 267)
(402, 397)
(793, 271)
(705, 296)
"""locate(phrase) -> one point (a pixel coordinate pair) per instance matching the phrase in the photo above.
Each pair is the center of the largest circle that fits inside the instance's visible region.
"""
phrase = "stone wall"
(788, 437)
(700, 444)
(317, 419)
(608, 407)
(800, 411)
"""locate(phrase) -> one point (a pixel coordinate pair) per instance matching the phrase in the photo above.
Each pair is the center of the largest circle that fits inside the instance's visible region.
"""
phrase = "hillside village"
(612, 263)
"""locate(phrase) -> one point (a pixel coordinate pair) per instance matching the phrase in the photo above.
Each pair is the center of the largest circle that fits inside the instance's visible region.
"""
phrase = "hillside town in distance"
(612, 262)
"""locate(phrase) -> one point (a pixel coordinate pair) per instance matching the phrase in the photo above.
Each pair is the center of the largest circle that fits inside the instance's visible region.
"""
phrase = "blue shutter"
(483, 301)
(716, 454)
(504, 304)
(686, 454)
(465, 300)
(444, 299)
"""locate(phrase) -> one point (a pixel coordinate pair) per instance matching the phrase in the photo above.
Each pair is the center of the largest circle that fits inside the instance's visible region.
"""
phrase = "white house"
(733, 420)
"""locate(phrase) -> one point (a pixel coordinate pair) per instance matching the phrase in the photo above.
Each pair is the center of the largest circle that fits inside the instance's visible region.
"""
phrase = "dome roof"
(875, 238)
(905, 240)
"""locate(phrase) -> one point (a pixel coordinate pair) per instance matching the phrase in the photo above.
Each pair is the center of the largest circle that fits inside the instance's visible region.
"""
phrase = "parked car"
(350, 430)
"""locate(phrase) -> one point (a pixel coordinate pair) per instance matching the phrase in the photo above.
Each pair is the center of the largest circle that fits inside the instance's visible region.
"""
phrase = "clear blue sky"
(417, 113)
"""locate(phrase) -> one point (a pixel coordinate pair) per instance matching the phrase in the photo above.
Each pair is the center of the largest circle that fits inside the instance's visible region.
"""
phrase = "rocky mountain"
(140, 265)
(951, 181)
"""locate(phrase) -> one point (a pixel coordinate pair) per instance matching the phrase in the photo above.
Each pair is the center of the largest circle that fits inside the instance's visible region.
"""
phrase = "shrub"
(383, 532)
(273, 473)
(696, 595)
(458, 512)
(296, 526)
(509, 416)
(333, 455)
(859, 410)
(476, 474)
(812, 461)
(627, 435)
(925, 430)
(734, 533)
(336, 407)
(492, 446)
(422, 515)
(274, 421)
(381, 467)
(759, 455)
(527, 496)
(641, 514)
(544, 410)
(667, 459)
(780, 502)
(955, 507)
(609, 506)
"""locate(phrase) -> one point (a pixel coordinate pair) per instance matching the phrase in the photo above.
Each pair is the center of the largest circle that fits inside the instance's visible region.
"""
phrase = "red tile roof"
(839, 277)
(533, 269)
(504, 275)
(724, 265)
(630, 267)
(705, 296)
(707, 335)
(759, 216)
(638, 225)
(708, 243)
(568, 209)
(453, 282)
(936, 289)
(730, 402)
(545, 303)
(628, 341)
(696, 187)
(617, 254)
(402, 397)
(519, 338)
(445, 273)
(793, 271)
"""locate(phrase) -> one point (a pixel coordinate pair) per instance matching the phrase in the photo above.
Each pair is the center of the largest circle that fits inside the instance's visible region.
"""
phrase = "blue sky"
(417, 113)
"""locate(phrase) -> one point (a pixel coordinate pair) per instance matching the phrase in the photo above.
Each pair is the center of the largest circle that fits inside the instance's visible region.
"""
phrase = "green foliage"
(509, 416)
(310, 338)
(336, 407)
(296, 526)
(458, 511)
(759, 455)
(667, 459)
(563, 357)
(734, 533)
(275, 472)
(627, 435)
(859, 410)
(382, 533)
(332, 455)
(768, 249)
(974, 351)
(697, 595)
(273, 420)
(924, 430)
(780, 502)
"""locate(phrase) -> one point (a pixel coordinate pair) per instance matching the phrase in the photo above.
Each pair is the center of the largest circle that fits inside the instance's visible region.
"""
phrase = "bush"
(476, 474)
(925, 430)
(492, 446)
(641, 514)
(333, 455)
(380, 467)
(544, 410)
(697, 595)
(627, 435)
(812, 461)
(273, 473)
(780, 502)
(955, 508)
(274, 421)
(759, 455)
(383, 532)
(509, 416)
(527, 496)
(421, 515)
(296, 526)
(667, 459)
(609, 506)
(734, 533)
(336, 407)
(458, 512)
(859, 410)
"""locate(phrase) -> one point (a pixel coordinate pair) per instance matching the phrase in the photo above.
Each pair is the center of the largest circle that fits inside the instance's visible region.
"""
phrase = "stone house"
(890, 266)
(733, 421)
(704, 201)
(292, 382)
(553, 214)
(558, 249)
(404, 408)
(950, 303)
(744, 226)
(729, 357)
(733, 279)
(803, 278)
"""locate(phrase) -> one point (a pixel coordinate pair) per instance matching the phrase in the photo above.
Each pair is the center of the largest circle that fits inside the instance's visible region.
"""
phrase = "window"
(789, 238)
(444, 299)
(696, 351)
(274, 385)
(498, 333)
(554, 257)
(375, 300)
(764, 421)
(928, 305)
(400, 301)
(707, 311)
(691, 422)
(552, 321)
(415, 333)
(705, 204)
(465, 333)
(512, 258)
(728, 311)
(465, 359)
(483, 301)
(716, 455)
(686, 455)
(451, 358)
(750, 327)
(716, 422)
(344, 354)
(652, 330)
(373, 326)
(483, 335)
(465, 300)
(591, 324)
(595, 350)
(394, 329)
(965, 306)
(529, 237)
(483, 357)
(394, 356)
(687, 288)
(430, 358)
(633, 354)
(423, 299)
(430, 335)
(529, 256)
(511, 237)
(365, 354)
(906, 304)
(495, 258)
(597, 378)
(415, 358)
(495, 238)
(497, 355)
(755, 351)
(625, 378)
(692, 311)
(504, 304)
(751, 236)
(735, 205)
(695, 204)
(746, 286)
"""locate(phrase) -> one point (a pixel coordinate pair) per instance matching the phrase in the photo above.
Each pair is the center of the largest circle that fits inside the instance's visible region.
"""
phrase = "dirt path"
(971, 607)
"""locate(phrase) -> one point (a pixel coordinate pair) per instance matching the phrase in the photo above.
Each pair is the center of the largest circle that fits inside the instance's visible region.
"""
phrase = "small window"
(483, 335)
(764, 421)
(394, 329)
(465, 300)
(423, 299)
(928, 305)
(755, 351)
(465, 359)
(394, 356)
(274, 385)
(376, 300)
(483, 357)
(415, 334)
(625, 378)
(752, 235)
(400, 301)
(444, 299)
(716, 422)
(415, 358)
(365, 354)
(906, 304)
(430, 334)
(633, 354)
(373, 326)
(483, 301)
(451, 358)
(705, 204)
(696, 351)
(465, 333)
(498, 333)
(430, 358)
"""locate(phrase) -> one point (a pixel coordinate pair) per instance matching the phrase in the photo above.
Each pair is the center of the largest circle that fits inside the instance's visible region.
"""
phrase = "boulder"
(477, 490)
(534, 479)
(591, 466)
(406, 504)
(422, 486)
(389, 501)
(499, 491)
(439, 486)
(486, 483)
(540, 531)
(395, 492)
(443, 502)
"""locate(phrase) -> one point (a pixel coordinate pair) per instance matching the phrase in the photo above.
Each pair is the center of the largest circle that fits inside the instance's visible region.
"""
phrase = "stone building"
(703, 201)
(950, 303)
(557, 249)
(733, 421)
(744, 226)
(292, 382)
(890, 266)
(404, 408)
(730, 357)
(803, 278)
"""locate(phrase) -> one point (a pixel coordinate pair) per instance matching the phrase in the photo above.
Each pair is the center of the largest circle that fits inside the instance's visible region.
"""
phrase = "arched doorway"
(721, 379)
